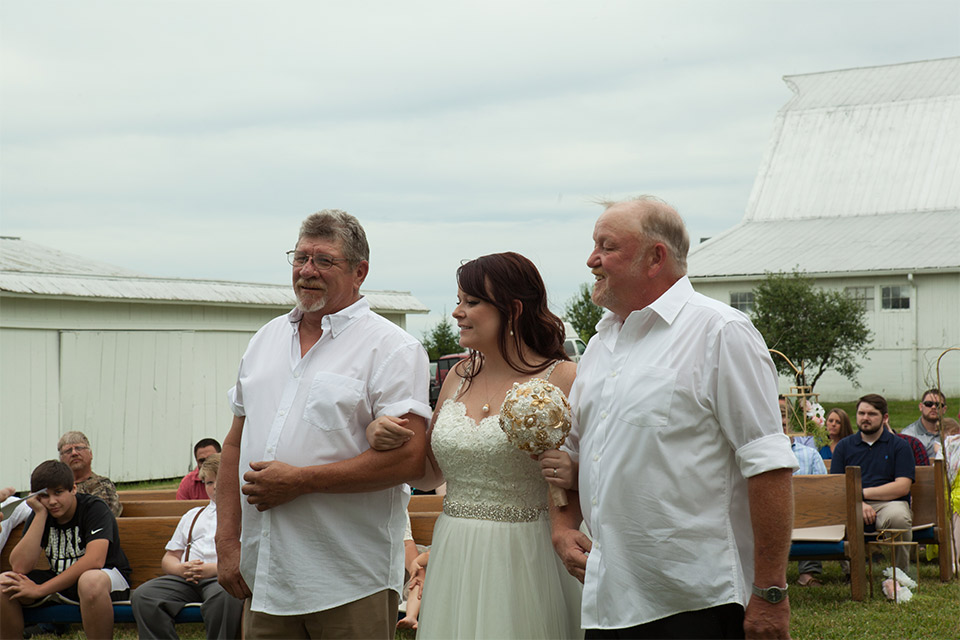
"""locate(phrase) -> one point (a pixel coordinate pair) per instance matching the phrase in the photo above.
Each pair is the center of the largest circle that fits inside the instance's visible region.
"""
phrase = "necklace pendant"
(485, 408)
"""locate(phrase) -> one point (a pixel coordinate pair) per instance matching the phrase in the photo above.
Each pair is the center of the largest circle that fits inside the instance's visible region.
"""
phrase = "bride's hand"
(387, 432)
(558, 469)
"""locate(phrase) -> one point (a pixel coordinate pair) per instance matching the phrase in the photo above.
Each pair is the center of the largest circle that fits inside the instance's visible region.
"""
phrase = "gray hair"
(334, 223)
(660, 222)
(72, 437)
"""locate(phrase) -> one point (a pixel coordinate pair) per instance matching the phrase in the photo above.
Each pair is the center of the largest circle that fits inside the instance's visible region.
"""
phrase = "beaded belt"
(495, 512)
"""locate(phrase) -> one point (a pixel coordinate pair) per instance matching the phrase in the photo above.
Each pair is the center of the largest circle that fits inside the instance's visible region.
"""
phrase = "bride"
(492, 571)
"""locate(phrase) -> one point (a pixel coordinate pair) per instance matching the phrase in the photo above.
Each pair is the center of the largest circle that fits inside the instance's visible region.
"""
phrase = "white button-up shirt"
(673, 411)
(320, 551)
(201, 540)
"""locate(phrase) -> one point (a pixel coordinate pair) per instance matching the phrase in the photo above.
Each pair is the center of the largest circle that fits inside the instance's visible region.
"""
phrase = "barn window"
(895, 297)
(742, 301)
(863, 295)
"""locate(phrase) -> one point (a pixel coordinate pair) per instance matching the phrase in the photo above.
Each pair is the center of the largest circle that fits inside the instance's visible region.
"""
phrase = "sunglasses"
(929, 404)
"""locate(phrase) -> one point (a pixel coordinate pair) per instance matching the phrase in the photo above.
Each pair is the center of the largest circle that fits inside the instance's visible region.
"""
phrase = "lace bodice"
(483, 470)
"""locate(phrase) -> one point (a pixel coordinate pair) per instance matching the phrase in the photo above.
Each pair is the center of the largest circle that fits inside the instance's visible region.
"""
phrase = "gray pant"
(158, 601)
(810, 566)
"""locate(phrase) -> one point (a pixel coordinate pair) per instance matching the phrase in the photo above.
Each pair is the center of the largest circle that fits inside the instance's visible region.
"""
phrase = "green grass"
(168, 483)
(821, 613)
(902, 412)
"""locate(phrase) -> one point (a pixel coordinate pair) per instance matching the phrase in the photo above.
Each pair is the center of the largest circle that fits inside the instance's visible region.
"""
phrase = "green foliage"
(441, 340)
(582, 313)
(817, 329)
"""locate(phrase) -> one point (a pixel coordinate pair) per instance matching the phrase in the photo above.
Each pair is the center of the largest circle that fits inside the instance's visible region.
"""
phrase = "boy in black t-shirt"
(80, 538)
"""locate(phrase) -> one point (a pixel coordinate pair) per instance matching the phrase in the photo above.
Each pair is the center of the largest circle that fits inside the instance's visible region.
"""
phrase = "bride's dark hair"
(502, 279)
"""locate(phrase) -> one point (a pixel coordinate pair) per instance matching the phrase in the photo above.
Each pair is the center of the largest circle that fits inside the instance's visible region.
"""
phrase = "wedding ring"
(554, 472)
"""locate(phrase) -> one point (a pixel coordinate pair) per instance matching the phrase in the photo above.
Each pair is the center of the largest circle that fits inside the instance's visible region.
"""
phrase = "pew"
(931, 513)
(147, 494)
(143, 508)
(828, 523)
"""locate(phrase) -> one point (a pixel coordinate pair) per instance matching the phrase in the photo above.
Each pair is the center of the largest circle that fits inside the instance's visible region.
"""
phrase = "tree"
(582, 313)
(441, 340)
(817, 329)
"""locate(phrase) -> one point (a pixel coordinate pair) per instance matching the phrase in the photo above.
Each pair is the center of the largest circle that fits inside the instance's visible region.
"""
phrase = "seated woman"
(838, 428)
(191, 566)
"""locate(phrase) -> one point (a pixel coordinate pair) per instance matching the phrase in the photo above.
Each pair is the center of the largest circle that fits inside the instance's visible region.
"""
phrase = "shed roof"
(32, 269)
(862, 173)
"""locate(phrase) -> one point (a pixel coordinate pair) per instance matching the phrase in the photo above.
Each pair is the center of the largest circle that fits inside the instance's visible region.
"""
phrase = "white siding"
(906, 343)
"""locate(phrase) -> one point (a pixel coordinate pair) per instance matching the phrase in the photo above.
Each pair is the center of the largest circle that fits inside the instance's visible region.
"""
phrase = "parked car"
(440, 368)
(572, 343)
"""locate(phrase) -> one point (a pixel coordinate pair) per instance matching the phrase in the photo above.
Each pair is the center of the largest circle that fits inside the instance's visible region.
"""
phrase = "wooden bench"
(147, 494)
(143, 540)
(424, 511)
(928, 499)
(145, 508)
(828, 501)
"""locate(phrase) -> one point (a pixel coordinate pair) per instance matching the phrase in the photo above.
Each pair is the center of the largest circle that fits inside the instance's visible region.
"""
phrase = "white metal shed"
(140, 364)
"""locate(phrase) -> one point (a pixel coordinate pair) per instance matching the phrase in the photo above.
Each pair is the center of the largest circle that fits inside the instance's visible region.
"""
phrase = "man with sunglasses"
(927, 427)
(315, 541)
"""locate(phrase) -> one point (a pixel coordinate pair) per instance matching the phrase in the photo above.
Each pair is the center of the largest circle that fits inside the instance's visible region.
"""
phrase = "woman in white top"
(191, 566)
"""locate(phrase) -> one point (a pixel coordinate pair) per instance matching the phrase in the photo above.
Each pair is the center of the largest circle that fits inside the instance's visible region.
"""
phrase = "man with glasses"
(316, 540)
(75, 452)
(927, 427)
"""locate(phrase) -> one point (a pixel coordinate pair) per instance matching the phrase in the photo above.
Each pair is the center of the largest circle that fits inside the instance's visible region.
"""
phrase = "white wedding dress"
(492, 571)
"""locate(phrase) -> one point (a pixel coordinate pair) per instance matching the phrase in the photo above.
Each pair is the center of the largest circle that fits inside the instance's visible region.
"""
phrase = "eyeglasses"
(79, 448)
(929, 404)
(320, 260)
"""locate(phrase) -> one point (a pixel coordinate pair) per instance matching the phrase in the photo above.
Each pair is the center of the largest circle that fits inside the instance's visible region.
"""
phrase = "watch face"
(774, 594)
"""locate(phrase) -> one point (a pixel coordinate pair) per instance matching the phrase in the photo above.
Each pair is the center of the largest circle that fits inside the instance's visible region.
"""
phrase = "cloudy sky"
(189, 139)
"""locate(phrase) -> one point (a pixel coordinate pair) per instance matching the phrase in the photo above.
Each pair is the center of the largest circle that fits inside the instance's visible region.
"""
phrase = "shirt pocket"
(332, 401)
(647, 399)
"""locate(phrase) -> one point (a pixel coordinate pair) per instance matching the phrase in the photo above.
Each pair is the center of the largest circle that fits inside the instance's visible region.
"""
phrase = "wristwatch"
(773, 595)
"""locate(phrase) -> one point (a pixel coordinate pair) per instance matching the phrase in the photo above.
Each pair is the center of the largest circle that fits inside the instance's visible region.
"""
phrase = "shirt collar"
(667, 306)
(335, 323)
(884, 436)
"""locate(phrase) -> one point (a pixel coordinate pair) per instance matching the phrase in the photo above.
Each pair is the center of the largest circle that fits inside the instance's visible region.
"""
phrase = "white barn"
(140, 364)
(860, 189)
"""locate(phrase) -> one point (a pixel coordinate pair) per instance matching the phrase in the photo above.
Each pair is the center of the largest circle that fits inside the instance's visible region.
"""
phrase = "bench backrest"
(821, 500)
(142, 508)
(147, 494)
(927, 487)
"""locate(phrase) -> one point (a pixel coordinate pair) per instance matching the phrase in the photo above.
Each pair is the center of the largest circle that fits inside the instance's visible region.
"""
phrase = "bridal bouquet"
(535, 416)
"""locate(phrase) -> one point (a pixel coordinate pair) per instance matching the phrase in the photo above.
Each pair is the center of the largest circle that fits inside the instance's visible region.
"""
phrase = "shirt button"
(594, 502)
(596, 457)
(282, 412)
(296, 374)
(613, 374)
(603, 414)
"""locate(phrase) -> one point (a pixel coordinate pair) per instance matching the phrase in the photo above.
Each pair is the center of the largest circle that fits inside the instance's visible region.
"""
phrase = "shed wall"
(906, 342)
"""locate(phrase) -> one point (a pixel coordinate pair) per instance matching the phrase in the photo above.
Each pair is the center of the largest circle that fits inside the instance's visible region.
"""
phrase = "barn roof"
(862, 173)
(28, 268)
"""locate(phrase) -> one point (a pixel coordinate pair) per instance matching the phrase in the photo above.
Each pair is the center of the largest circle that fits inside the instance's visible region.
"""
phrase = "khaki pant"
(895, 514)
(372, 617)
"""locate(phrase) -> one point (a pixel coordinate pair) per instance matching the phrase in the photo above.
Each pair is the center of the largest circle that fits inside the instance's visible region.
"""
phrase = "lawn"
(825, 612)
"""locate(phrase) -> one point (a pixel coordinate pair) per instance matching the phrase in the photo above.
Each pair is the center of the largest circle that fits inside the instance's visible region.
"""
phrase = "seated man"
(192, 487)
(887, 470)
(80, 538)
(810, 463)
(927, 427)
(191, 566)
(920, 457)
(75, 452)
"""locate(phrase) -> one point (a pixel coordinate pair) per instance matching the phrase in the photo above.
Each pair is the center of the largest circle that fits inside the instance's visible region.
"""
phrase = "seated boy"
(191, 566)
(80, 537)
